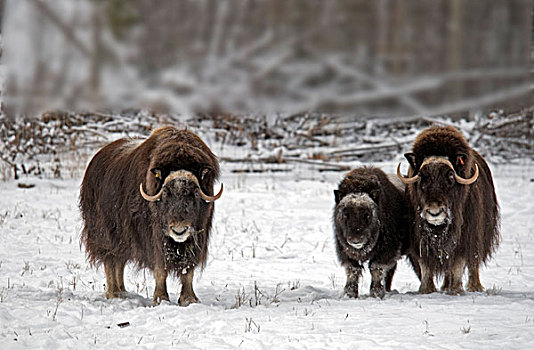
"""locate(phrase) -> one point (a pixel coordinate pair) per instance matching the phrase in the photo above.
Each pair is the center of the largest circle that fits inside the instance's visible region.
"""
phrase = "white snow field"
(272, 280)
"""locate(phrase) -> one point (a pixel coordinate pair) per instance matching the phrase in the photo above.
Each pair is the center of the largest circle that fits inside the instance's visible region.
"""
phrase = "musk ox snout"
(179, 232)
(435, 214)
(357, 242)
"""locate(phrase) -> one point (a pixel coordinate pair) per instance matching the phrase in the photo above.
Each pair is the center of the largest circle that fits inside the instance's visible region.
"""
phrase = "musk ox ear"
(461, 159)
(375, 194)
(411, 159)
(337, 195)
(203, 174)
(156, 172)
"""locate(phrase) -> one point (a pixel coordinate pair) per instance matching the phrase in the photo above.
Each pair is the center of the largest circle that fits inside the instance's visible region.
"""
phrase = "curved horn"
(463, 181)
(191, 176)
(406, 180)
(458, 178)
(211, 198)
(153, 198)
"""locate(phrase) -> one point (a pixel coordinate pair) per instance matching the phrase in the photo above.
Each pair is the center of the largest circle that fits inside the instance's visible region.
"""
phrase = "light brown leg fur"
(473, 284)
(119, 277)
(455, 286)
(187, 295)
(113, 287)
(160, 292)
(427, 280)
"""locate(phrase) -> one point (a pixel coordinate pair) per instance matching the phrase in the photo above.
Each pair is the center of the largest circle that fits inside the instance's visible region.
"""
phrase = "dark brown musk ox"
(370, 224)
(456, 215)
(166, 230)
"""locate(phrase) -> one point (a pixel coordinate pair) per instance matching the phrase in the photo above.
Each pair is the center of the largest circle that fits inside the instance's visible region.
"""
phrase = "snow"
(272, 278)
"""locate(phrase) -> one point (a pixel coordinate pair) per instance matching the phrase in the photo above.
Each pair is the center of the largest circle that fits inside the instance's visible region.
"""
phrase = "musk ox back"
(150, 202)
(370, 224)
(456, 223)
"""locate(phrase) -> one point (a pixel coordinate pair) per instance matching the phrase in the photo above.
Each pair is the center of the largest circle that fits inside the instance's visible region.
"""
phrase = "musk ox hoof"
(115, 295)
(159, 297)
(427, 289)
(475, 288)
(378, 293)
(187, 300)
(351, 290)
(455, 291)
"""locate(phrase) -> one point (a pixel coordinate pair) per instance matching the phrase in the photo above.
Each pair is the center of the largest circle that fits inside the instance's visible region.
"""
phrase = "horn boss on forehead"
(177, 175)
(437, 160)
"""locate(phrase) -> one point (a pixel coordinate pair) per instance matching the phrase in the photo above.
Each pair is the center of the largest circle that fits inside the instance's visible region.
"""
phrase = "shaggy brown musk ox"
(456, 223)
(167, 231)
(370, 224)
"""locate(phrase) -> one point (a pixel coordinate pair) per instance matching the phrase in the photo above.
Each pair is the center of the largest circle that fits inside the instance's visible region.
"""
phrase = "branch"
(339, 167)
(475, 102)
(65, 29)
(368, 149)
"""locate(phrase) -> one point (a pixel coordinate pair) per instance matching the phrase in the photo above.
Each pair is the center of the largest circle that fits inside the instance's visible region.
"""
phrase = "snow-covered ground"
(272, 280)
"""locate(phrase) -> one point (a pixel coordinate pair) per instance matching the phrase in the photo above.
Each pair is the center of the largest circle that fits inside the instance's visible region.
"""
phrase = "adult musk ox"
(456, 223)
(370, 224)
(150, 202)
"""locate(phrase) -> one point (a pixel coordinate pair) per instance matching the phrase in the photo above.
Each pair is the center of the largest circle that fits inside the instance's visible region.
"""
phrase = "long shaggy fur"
(119, 225)
(388, 230)
(473, 233)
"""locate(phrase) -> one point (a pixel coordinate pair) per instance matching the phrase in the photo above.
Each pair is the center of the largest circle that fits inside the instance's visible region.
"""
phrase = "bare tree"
(350, 57)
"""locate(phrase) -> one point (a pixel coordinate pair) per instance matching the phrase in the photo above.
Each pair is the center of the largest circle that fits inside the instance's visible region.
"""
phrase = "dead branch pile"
(325, 141)
(55, 133)
(506, 137)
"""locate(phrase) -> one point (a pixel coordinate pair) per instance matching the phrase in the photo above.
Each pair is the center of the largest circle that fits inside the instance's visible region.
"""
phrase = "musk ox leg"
(427, 280)
(446, 281)
(381, 276)
(187, 295)
(473, 284)
(389, 277)
(354, 273)
(160, 292)
(453, 279)
(119, 276)
(115, 288)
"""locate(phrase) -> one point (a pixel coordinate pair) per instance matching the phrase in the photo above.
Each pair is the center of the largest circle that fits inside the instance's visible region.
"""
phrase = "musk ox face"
(437, 188)
(437, 191)
(356, 219)
(178, 204)
(177, 212)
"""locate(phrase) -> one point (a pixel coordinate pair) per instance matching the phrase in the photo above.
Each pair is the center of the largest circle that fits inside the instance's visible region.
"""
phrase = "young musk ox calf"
(370, 224)
(456, 222)
(167, 231)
